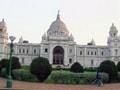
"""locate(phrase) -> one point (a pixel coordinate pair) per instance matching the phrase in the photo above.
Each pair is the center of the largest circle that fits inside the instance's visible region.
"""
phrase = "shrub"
(118, 66)
(41, 68)
(110, 68)
(76, 67)
(118, 78)
(3, 73)
(15, 63)
(23, 75)
(105, 77)
(3, 63)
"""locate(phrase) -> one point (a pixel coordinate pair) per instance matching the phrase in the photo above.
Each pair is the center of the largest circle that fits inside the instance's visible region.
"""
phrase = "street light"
(9, 80)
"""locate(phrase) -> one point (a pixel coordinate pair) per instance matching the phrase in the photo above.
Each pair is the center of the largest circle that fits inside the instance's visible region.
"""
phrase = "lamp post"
(9, 80)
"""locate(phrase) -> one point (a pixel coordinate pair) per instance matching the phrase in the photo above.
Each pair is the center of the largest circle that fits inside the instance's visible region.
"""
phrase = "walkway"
(20, 85)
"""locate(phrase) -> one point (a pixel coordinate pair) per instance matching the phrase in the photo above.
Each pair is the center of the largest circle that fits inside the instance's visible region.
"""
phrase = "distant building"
(60, 48)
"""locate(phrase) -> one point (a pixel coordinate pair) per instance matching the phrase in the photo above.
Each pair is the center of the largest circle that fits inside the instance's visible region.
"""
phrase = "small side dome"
(71, 37)
(93, 42)
(20, 40)
(113, 27)
(44, 36)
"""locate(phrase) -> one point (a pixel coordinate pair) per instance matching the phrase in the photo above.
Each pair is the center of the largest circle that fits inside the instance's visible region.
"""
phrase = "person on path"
(99, 79)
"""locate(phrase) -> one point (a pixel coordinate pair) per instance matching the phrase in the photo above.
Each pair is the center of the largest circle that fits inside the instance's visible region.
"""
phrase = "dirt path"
(19, 85)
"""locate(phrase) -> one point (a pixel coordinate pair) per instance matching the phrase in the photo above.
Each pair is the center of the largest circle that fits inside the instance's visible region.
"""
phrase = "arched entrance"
(58, 55)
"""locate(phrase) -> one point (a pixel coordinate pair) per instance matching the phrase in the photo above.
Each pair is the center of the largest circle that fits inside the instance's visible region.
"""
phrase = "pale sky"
(85, 19)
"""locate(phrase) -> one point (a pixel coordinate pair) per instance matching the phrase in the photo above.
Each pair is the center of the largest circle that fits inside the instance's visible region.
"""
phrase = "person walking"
(99, 79)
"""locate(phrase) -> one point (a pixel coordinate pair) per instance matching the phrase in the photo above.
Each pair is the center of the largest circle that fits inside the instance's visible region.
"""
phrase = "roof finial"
(58, 11)
(58, 15)
(112, 24)
(3, 20)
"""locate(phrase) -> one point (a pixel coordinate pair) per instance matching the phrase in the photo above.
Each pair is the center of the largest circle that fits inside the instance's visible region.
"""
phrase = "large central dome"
(58, 28)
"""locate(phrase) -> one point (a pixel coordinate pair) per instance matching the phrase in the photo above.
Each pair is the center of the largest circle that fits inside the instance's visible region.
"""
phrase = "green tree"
(110, 68)
(41, 68)
(76, 67)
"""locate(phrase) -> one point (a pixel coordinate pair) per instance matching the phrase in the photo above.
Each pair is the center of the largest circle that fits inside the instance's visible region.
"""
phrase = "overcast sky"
(85, 19)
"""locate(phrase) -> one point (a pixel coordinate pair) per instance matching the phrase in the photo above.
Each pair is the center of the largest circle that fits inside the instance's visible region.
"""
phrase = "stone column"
(75, 53)
(84, 56)
(41, 50)
(98, 56)
(51, 54)
(30, 52)
(66, 55)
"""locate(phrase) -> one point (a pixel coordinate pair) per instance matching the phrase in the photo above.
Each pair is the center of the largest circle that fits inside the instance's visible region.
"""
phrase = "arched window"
(46, 50)
(19, 50)
(80, 52)
(23, 61)
(23, 50)
(95, 52)
(92, 62)
(91, 52)
(116, 51)
(88, 53)
(58, 55)
(27, 51)
(34, 51)
(102, 53)
(70, 60)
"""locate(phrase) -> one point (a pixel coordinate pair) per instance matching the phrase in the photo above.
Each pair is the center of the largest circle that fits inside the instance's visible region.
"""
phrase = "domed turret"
(3, 27)
(44, 37)
(113, 31)
(3, 32)
(71, 37)
(2, 23)
(58, 28)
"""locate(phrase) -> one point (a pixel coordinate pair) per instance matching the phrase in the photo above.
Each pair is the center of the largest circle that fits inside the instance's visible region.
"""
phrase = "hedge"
(91, 69)
(23, 75)
(65, 77)
(60, 77)
(91, 76)
(118, 77)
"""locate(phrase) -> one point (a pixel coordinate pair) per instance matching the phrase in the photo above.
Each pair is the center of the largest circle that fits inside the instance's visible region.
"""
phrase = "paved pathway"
(20, 85)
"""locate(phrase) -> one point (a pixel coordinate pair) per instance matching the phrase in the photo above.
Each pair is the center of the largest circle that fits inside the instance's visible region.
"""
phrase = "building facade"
(59, 47)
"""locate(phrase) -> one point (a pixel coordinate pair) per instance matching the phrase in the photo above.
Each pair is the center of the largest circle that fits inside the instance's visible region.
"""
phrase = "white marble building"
(60, 48)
